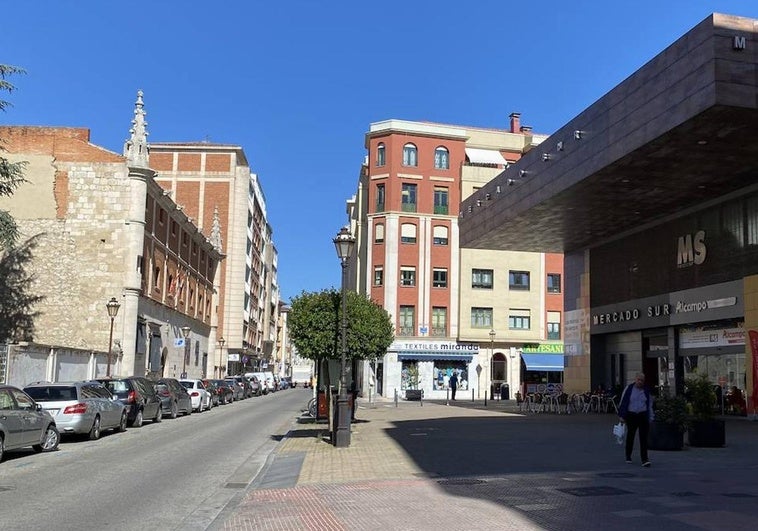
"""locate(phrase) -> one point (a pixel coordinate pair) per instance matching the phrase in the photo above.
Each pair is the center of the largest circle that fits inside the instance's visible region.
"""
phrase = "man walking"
(453, 384)
(636, 410)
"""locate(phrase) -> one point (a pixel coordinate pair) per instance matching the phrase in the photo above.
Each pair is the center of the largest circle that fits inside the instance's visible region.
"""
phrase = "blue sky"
(297, 83)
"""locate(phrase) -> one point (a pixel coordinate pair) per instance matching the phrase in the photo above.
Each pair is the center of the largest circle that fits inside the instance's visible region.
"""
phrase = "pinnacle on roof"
(136, 149)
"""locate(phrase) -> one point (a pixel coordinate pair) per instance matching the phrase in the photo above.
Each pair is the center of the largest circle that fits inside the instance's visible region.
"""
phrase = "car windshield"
(118, 387)
(53, 393)
(187, 385)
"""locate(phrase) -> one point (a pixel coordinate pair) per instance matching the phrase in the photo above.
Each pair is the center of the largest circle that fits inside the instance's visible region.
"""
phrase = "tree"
(16, 297)
(11, 173)
(315, 326)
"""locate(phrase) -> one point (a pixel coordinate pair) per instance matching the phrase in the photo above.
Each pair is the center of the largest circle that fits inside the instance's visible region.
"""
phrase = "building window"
(380, 198)
(440, 200)
(379, 233)
(439, 278)
(407, 276)
(441, 158)
(553, 283)
(378, 275)
(408, 233)
(439, 321)
(173, 228)
(161, 216)
(380, 161)
(518, 280)
(481, 317)
(481, 278)
(440, 235)
(408, 197)
(553, 325)
(185, 239)
(157, 278)
(410, 155)
(519, 319)
(407, 321)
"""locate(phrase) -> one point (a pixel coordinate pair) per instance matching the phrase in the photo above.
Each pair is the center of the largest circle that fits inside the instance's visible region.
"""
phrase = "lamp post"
(112, 306)
(491, 368)
(344, 243)
(186, 333)
(221, 342)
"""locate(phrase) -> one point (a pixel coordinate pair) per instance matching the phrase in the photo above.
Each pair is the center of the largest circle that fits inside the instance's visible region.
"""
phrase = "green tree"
(17, 300)
(315, 326)
(11, 173)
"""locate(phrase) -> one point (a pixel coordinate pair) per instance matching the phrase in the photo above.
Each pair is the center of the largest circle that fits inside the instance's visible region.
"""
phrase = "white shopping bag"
(619, 431)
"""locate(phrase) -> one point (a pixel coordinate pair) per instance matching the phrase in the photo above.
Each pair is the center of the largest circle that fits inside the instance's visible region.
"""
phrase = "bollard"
(485, 398)
(421, 399)
(472, 395)
(447, 397)
(396, 397)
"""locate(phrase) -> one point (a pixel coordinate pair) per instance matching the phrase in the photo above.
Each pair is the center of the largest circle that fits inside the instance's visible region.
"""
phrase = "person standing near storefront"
(453, 384)
(636, 410)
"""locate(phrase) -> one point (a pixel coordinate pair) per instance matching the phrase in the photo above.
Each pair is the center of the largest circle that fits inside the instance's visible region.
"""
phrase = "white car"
(201, 398)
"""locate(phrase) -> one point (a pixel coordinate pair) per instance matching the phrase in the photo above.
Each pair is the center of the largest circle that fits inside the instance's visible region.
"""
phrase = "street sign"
(178, 341)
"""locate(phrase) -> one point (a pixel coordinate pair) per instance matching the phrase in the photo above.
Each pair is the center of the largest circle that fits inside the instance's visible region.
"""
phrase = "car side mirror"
(38, 407)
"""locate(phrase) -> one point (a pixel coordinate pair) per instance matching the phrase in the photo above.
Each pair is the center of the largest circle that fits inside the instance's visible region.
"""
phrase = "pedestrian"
(636, 411)
(453, 384)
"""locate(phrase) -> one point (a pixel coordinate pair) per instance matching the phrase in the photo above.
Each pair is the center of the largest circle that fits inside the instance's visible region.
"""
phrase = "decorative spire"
(216, 231)
(136, 148)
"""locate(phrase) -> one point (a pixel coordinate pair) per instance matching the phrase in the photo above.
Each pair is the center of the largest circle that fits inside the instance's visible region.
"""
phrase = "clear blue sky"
(297, 83)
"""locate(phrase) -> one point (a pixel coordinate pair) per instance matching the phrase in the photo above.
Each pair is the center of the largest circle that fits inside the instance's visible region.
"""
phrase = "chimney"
(526, 129)
(515, 122)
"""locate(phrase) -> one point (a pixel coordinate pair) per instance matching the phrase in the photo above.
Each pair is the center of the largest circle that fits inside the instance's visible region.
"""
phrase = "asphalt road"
(178, 474)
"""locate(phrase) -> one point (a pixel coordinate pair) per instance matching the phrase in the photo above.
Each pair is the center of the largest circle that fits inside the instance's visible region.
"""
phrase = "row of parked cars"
(41, 412)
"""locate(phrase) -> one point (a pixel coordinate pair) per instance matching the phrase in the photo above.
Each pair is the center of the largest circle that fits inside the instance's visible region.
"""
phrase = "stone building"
(105, 229)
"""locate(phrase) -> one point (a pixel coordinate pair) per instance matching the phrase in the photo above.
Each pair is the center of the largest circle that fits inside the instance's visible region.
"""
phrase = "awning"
(543, 362)
(485, 156)
(431, 356)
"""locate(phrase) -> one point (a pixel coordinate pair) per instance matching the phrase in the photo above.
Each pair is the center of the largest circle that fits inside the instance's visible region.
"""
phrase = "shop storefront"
(428, 366)
(542, 368)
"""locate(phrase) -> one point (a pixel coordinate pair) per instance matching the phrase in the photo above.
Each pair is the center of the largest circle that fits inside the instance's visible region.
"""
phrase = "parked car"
(255, 385)
(174, 397)
(244, 384)
(225, 391)
(80, 407)
(201, 398)
(138, 394)
(24, 423)
(270, 383)
(210, 386)
(285, 382)
(261, 377)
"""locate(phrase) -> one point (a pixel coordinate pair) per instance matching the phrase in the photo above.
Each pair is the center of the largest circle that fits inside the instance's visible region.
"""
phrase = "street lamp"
(221, 342)
(344, 243)
(112, 306)
(186, 333)
(491, 368)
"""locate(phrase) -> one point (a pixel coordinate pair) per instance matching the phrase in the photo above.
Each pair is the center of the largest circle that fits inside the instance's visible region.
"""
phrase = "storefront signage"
(690, 249)
(711, 337)
(542, 348)
(662, 310)
(436, 346)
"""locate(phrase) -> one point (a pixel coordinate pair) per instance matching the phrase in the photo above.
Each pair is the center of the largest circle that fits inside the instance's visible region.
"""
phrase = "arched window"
(440, 235)
(410, 155)
(380, 161)
(408, 233)
(441, 158)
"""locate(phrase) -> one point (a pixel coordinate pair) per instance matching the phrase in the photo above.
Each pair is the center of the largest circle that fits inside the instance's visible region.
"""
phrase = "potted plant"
(669, 423)
(705, 430)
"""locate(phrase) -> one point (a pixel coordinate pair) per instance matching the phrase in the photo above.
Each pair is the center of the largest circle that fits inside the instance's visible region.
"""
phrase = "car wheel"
(138, 419)
(50, 440)
(174, 410)
(122, 424)
(159, 415)
(94, 433)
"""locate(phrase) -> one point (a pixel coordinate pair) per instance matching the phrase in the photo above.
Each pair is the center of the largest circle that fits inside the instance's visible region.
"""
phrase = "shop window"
(444, 369)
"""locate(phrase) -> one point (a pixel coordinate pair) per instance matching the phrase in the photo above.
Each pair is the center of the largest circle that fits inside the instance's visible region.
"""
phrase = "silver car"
(80, 407)
(24, 423)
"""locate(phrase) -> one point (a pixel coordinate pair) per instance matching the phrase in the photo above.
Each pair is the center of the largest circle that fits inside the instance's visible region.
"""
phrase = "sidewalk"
(422, 466)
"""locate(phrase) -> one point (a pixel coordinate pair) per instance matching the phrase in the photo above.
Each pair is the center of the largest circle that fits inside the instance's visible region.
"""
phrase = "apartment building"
(213, 184)
(490, 316)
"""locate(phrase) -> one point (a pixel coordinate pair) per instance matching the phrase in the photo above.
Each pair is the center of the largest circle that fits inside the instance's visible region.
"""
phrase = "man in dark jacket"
(453, 384)
(636, 410)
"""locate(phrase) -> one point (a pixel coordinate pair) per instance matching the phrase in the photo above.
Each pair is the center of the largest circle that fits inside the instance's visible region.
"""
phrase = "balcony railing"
(409, 207)
(440, 209)
(406, 330)
(439, 332)
(380, 206)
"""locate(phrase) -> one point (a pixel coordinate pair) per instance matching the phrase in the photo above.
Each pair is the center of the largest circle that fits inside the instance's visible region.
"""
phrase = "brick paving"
(464, 466)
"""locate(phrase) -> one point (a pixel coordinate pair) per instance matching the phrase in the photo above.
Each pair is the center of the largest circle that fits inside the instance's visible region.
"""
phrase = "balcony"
(440, 209)
(439, 332)
(409, 207)
(406, 331)
(380, 206)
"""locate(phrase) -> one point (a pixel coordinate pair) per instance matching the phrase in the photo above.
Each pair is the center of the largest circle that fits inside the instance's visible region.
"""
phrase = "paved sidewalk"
(420, 467)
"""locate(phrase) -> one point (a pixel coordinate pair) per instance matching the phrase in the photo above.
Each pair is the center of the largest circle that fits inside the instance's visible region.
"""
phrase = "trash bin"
(505, 392)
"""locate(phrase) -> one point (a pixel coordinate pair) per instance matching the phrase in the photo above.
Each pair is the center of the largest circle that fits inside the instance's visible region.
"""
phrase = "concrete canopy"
(680, 132)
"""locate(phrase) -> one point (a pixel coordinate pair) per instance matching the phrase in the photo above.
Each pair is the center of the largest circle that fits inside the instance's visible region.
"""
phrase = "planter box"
(707, 434)
(663, 436)
(414, 394)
